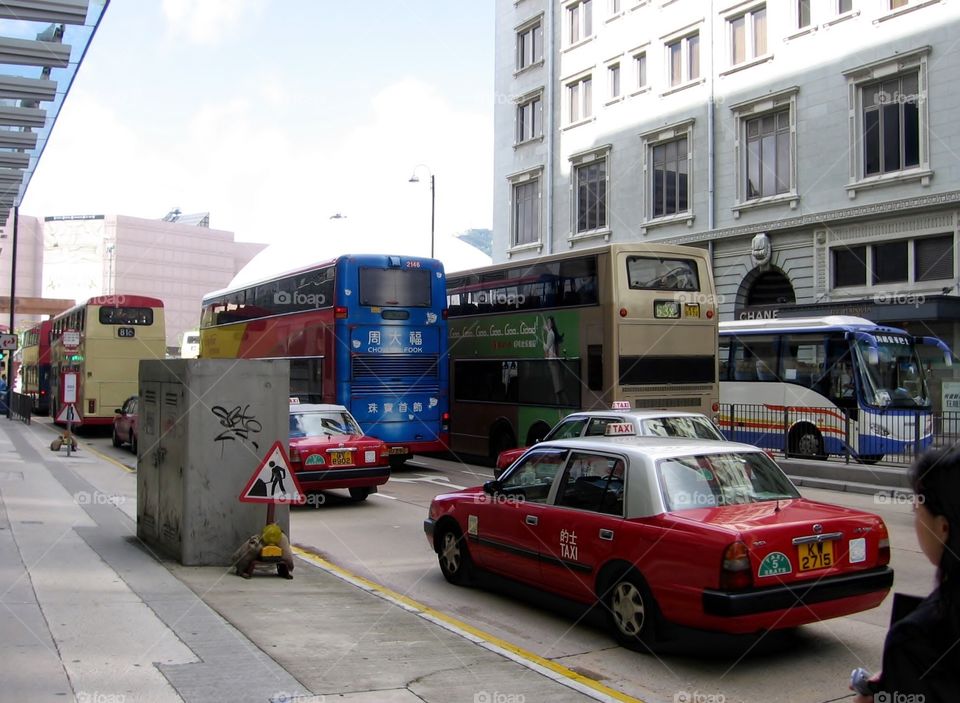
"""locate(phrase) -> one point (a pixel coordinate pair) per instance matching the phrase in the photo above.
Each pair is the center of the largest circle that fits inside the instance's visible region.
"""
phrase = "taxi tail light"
(384, 451)
(883, 551)
(294, 454)
(340, 312)
(735, 572)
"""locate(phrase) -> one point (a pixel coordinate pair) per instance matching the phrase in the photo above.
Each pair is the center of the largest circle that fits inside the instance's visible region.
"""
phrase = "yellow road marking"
(436, 615)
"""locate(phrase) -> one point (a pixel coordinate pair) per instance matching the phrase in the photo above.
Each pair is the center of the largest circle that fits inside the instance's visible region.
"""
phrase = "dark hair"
(935, 477)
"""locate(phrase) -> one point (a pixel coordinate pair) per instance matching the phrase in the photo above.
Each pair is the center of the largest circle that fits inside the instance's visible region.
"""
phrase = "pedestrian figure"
(921, 655)
(277, 474)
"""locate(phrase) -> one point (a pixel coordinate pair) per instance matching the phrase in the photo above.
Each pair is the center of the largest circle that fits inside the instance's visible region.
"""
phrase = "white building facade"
(812, 145)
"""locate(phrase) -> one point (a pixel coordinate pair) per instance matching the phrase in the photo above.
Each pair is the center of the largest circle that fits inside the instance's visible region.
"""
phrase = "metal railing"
(21, 407)
(830, 431)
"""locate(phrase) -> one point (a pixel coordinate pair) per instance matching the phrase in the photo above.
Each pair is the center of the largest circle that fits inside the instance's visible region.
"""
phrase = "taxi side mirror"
(492, 487)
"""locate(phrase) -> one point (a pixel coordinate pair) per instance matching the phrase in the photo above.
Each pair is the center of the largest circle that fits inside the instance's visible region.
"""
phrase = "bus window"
(650, 273)
(804, 360)
(394, 287)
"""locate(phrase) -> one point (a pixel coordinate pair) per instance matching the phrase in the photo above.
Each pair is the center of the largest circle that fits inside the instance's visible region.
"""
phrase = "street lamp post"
(433, 200)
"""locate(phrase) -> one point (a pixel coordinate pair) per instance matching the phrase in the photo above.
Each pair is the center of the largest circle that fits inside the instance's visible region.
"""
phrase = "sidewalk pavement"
(89, 612)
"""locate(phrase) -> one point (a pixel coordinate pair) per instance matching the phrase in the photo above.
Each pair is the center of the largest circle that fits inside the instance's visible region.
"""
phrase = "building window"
(894, 4)
(849, 266)
(683, 60)
(580, 100)
(580, 20)
(933, 258)
(889, 262)
(844, 6)
(891, 124)
(530, 45)
(748, 35)
(640, 70)
(591, 196)
(530, 119)
(803, 13)
(614, 6)
(526, 212)
(768, 155)
(613, 75)
(670, 178)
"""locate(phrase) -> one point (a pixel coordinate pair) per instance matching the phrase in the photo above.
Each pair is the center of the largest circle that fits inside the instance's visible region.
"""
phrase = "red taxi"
(329, 450)
(704, 534)
(649, 423)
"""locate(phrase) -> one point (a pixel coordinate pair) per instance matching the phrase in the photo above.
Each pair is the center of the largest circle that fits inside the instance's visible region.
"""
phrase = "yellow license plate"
(815, 555)
(341, 458)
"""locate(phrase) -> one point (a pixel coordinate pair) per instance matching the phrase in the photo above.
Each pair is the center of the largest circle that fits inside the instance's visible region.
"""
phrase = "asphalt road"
(382, 539)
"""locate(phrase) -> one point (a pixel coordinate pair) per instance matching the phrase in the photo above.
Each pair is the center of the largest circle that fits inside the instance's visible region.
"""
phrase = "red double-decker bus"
(36, 366)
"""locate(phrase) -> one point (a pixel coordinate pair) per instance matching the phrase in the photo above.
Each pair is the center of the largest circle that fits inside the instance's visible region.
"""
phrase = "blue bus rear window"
(406, 288)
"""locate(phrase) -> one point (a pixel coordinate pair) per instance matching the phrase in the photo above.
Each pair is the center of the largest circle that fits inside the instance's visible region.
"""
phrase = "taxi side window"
(533, 477)
(598, 426)
(568, 429)
(593, 482)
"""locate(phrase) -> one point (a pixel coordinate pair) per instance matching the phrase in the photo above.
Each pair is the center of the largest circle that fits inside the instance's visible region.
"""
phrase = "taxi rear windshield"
(714, 480)
(322, 424)
(405, 288)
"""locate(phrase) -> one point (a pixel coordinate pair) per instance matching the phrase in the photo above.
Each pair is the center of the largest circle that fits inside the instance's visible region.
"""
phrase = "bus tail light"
(445, 422)
(715, 407)
(709, 314)
(735, 574)
(340, 312)
(623, 312)
(91, 406)
(883, 551)
(444, 313)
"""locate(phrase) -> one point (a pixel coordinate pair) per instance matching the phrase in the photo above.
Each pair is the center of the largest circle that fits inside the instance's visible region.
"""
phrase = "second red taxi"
(704, 534)
(329, 450)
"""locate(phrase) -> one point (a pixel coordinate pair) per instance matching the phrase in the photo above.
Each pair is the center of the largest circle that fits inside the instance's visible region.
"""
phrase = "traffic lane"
(387, 546)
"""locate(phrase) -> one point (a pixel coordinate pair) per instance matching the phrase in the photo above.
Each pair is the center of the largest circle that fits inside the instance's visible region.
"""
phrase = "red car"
(649, 423)
(329, 450)
(704, 534)
(126, 424)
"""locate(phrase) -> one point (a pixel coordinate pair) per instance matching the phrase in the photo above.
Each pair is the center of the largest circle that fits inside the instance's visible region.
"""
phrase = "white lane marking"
(426, 478)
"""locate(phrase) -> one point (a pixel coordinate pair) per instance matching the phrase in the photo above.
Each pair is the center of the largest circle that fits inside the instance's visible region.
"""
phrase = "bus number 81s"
(125, 332)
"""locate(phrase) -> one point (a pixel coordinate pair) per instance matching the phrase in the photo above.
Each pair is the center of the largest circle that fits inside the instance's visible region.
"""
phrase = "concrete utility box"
(205, 426)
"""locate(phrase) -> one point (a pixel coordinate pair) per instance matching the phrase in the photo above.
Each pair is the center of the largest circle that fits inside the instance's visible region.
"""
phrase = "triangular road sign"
(273, 481)
(69, 413)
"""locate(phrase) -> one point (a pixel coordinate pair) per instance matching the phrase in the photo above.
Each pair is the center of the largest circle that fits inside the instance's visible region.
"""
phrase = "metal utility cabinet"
(205, 426)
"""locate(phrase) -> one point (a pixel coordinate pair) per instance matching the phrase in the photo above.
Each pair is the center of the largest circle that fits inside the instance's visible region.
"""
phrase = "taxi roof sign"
(621, 405)
(295, 400)
(620, 429)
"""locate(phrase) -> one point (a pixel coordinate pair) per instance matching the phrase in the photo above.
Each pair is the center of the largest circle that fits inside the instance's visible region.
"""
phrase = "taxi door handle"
(607, 535)
(531, 519)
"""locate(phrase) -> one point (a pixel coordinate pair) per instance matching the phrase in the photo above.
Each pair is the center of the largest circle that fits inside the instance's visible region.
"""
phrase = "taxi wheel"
(133, 442)
(455, 562)
(633, 612)
(116, 438)
(360, 493)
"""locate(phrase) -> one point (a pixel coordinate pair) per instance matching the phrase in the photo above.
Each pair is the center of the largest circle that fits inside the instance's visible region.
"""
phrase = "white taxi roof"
(654, 448)
(316, 408)
(633, 413)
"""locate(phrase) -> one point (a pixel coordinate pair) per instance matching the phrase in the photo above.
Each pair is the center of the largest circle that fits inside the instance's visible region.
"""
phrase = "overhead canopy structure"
(42, 44)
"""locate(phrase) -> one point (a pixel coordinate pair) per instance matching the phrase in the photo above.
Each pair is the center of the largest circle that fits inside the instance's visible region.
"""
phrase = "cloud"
(205, 21)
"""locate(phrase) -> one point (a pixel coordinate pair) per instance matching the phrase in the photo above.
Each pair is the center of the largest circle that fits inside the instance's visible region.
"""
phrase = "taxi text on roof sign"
(621, 405)
(615, 429)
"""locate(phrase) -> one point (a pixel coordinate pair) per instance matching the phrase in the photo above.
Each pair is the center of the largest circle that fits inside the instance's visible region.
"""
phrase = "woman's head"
(935, 477)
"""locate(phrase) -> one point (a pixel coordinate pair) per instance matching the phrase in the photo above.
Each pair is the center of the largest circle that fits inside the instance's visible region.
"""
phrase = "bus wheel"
(805, 441)
(869, 458)
(501, 440)
(537, 432)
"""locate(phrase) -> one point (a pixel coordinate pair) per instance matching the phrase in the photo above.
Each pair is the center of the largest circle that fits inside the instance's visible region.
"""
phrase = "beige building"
(177, 259)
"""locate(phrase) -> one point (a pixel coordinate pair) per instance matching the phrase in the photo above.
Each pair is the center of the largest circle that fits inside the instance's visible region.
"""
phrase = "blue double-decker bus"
(830, 385)
(366, 331)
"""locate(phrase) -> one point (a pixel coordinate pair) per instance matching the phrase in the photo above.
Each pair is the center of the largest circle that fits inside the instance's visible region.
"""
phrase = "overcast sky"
(275, 114)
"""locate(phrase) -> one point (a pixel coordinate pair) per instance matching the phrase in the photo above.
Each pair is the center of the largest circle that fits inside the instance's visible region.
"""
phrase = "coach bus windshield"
(897, 379)
(392, 287)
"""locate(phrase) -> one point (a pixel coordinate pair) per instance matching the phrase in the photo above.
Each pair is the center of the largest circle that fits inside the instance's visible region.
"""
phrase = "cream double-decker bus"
(532, 341)
(115, 333)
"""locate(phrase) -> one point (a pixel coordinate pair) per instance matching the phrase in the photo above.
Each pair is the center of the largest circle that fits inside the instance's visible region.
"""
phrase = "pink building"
(177, 259)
